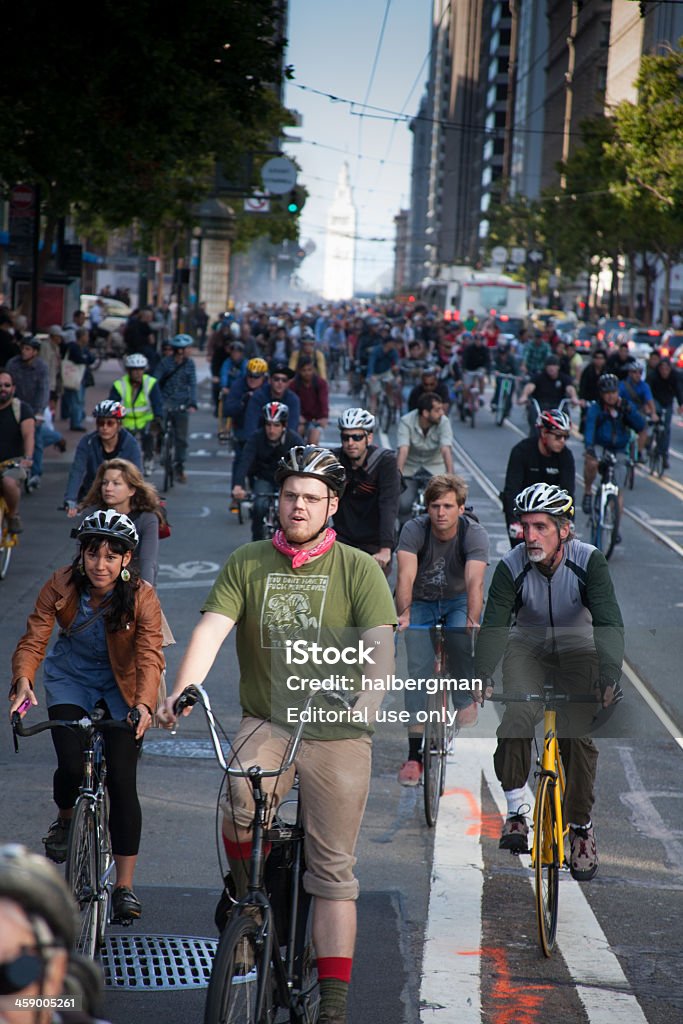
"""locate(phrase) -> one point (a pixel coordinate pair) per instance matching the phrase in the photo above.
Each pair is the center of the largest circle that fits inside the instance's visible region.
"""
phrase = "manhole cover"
(183, 748)
(157, 961)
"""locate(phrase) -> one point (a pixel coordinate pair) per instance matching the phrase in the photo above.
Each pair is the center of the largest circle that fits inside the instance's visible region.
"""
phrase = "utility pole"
(569, 87)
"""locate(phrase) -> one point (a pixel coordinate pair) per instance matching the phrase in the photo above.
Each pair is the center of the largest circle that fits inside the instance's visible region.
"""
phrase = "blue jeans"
(420, 649)
(74, 402)
(38, 446)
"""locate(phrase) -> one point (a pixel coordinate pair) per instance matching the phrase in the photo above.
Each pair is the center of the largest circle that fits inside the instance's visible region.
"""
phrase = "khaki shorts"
(334, 779)
(17, 473)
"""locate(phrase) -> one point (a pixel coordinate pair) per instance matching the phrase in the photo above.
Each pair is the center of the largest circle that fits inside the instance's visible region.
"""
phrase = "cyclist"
(411, 367)
(37, 934)
(334, 345)
(299, 585)
(110, 440)
(442, 557)
(503, 362)
(588, 384)
(383, 370)
(313, 394)
(424, 441)
(108, 651)
(551, 614)
(618, 362)
(17, 427)
(475, 362)
(237, 401)
(610, 423)
(177, 376)
(429, 381)
(275, 389)
(546, 458)
(366, 517)
(534, 354)
(667, 388)
(638, 392)
(307, 347)
(31, 385)
(140, 395)
(260, 459)
(548, 388)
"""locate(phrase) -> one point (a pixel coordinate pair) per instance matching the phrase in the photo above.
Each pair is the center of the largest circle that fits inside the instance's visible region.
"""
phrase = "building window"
(486, 177)
(604, 34)
(602, 79)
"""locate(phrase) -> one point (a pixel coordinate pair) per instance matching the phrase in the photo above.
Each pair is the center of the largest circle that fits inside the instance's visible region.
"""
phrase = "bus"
(486, 293)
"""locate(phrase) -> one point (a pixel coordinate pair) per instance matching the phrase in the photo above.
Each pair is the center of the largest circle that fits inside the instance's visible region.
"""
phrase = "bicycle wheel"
(608, 526)
(546, 864)
(167, 459)
(433, 761)
(474, 405)
(104, 869)
(655, 459)
(240, 968)
(503, 409)
(306, 1009)
(5, 556)
(630, 477)
(81, 874)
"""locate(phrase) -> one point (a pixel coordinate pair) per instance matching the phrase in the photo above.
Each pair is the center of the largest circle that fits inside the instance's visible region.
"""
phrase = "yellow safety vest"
(139, 412)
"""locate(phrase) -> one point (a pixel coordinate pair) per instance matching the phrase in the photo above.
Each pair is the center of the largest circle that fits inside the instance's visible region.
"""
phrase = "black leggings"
(121, 751)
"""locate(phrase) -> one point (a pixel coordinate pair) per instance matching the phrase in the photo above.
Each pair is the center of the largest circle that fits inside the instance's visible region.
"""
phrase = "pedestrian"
(17, 427)
(75, 364)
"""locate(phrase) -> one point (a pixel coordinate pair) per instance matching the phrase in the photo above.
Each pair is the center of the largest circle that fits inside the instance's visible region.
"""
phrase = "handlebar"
(547, 698)
(86, 723)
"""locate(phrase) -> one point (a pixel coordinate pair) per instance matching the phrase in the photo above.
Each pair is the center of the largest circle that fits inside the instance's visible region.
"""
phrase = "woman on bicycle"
(108, 652)
(119, 485)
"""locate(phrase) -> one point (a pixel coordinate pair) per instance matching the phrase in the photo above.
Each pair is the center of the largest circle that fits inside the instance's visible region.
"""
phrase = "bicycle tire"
(474, 405)
(546, 864)
(104, 868)
(656, 460)
(630, 478)
(306, 1008)
(5, 557)
(81, 875)
(608, 526)
(167, 457)
(385, 416)
(501, 413)
(432, 763)
(232, 995)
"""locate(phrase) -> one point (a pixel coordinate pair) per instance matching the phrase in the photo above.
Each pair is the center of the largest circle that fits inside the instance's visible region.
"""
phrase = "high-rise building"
(401, 279)
(529, 96)
(419, 195)
(340, 241)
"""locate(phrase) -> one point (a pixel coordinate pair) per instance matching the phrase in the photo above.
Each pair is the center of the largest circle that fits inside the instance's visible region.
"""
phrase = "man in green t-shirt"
(303, 592)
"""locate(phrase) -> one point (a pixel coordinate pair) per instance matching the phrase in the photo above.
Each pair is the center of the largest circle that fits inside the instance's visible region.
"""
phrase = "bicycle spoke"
(81, 875)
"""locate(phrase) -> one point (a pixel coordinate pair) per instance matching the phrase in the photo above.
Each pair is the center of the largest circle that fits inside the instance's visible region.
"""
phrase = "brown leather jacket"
(134, 652)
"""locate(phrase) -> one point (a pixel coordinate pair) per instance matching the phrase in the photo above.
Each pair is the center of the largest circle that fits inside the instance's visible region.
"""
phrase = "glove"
(617, 693)
(515, 531)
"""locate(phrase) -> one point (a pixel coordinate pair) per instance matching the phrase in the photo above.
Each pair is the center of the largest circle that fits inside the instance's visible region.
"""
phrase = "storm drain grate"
(157, 962)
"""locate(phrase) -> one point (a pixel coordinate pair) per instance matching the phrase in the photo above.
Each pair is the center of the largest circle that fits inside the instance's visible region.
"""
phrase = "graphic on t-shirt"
(433, 580)
(292, 608)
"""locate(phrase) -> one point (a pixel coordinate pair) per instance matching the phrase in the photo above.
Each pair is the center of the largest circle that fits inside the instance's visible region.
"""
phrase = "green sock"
(333, 998)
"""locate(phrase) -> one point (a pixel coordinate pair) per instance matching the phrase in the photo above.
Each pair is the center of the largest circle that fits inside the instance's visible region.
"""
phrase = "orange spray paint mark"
(512, 1003)
(487, 825)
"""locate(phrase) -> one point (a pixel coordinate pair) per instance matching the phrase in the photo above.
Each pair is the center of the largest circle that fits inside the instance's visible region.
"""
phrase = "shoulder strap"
(70, 631)
(16, 409)
(425, 543)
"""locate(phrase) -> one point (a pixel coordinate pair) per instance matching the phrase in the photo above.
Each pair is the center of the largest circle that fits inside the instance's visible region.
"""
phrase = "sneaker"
(57, 840)
(410, 773)
(60, 445)
(180, 475)
(587, 504)
(148, 466)
(583, 861)
(665, 462)
(14, 524)
(514, 835)
(226, 903)
(33, 483)
(125, 906)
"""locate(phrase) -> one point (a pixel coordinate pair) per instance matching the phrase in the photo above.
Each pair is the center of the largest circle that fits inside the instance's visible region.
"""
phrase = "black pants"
(121, 752)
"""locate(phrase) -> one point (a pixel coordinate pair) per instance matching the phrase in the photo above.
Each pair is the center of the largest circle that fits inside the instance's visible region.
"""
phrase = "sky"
(372, 52)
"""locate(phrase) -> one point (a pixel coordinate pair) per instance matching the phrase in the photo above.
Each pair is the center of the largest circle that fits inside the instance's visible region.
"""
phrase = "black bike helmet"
(109, 524)
(310, 460)
(608, 382)
(33, 883)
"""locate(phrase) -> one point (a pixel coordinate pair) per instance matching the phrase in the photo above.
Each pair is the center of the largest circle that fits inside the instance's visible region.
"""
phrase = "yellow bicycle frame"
(551, 764)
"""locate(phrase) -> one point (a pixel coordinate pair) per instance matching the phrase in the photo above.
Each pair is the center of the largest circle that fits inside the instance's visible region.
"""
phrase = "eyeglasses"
(308, 499)
(352, 437)
(20, 973)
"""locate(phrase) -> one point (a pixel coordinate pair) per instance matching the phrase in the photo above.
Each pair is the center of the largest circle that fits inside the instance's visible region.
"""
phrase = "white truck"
(458, 290)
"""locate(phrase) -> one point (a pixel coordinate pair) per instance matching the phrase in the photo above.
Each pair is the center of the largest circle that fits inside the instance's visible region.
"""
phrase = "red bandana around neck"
(298, 556)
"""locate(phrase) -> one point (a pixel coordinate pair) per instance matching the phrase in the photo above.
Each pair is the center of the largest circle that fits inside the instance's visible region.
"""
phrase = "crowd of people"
(344, 511)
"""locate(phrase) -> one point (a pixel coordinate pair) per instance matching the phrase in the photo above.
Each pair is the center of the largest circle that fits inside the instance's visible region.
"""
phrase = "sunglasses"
(352, 437)
(558, 433)
(254, 376)
(20, 973)
(277, 379)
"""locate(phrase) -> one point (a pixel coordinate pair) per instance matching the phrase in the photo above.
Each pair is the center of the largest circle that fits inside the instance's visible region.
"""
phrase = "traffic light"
(296, 200)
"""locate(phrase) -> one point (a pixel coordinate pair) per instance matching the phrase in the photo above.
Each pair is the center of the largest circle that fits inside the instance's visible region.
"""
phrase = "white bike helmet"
(554, 420)
(136, 361)
(354, 419)
(111, 525)
(545, 498)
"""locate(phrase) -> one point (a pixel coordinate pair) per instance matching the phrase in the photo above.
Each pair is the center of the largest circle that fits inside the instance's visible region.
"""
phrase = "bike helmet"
(33, 883)
(235, 329)
(310, 460)
(109, 410)
(136, 361)
(635, 364)
(257, 367)
(608, 382)
(354, 419)
(181, 341)
(275, 412)
(111, 525)
(546, 498)
(554, 420)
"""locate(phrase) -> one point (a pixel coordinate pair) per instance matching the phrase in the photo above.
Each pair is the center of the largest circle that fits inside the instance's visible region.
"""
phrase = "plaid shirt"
(178, 386)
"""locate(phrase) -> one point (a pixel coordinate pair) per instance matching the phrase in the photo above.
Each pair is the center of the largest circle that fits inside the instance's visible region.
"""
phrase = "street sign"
(535, 256)
(499, 254)
(257, 202)
(279, 175)
(517, 255)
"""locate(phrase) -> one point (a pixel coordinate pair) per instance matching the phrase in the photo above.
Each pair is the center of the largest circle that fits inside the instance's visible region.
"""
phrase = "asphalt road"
(446, 921)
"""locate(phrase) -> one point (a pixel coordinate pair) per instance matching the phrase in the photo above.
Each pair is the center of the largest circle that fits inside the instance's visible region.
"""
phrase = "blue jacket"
(90, 455)
(262, 395)
(612, 431)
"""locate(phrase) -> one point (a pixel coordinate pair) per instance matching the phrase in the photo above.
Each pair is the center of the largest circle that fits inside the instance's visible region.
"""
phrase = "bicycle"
(386, 402)
(605, 514)
(421, 477)
(550, 832)
(270, 521)
(255, 973)
(655, 443)
(8, 540)
(168, 448)
(89, 861)
(505, 394)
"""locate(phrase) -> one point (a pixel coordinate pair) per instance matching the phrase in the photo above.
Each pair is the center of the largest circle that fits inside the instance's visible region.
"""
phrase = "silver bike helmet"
(310, 460)
(544, 498)
(275, 412)
(136, 361)
(356, 419)
(109, 524)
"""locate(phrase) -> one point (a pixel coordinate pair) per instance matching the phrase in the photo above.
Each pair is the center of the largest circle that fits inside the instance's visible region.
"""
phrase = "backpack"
(468, 516)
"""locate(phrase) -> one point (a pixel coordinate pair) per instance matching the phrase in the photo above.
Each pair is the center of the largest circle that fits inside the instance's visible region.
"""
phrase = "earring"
(125, 575)
(81, 568)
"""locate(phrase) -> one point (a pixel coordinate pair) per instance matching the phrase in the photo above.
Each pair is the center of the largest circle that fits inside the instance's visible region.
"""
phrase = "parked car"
(641, 340)
(584, 337)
